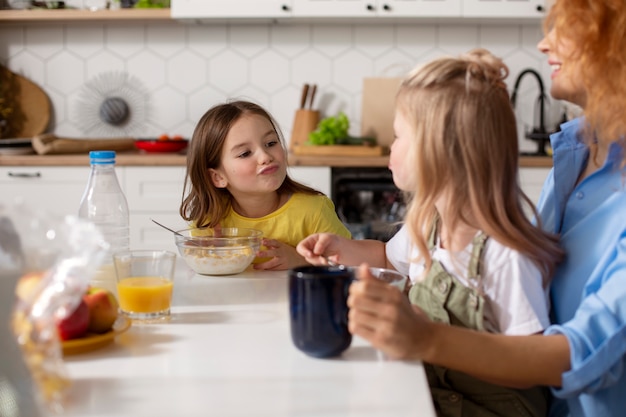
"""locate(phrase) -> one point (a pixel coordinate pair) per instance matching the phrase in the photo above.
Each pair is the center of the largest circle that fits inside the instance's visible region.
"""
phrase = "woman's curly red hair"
(598, 29)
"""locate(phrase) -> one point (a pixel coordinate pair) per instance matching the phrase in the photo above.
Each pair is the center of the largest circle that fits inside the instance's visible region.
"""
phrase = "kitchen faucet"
(538, 133)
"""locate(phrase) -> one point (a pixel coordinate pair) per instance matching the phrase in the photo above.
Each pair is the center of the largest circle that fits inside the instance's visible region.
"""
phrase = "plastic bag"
(51, 260)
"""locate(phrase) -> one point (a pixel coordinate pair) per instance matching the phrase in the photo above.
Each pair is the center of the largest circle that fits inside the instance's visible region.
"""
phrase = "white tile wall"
(185, 69)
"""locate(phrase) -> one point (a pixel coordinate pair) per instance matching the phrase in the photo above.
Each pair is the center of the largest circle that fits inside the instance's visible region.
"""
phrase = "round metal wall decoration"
(112, 104)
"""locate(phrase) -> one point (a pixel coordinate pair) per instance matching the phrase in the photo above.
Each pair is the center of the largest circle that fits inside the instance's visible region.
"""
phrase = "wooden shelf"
(60, 15)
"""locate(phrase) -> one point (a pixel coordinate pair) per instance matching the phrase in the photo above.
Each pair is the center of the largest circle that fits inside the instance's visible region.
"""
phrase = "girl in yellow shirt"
(237, 177)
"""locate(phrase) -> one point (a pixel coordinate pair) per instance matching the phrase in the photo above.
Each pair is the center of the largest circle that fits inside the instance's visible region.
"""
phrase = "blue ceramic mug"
(318, 309)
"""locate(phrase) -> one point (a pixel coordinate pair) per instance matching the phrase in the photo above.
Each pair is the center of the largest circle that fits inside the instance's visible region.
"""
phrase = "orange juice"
(144, 294)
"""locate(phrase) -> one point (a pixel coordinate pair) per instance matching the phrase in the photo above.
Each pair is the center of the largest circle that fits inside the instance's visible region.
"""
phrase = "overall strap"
(478, 246)
(432, 237)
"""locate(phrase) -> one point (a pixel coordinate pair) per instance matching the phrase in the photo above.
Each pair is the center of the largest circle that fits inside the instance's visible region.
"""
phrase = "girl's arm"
(319, 247)
(383, 316)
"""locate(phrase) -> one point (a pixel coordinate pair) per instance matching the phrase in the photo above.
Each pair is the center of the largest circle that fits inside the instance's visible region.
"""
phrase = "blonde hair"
(598, 29)
(205, 204)
(465, 143)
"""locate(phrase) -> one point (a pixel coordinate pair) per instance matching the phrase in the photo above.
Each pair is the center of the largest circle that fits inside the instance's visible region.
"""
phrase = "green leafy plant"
(330, 130)
(152, 4)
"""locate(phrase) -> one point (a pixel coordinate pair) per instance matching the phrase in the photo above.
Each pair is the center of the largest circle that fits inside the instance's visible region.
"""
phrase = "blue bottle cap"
(102, 157)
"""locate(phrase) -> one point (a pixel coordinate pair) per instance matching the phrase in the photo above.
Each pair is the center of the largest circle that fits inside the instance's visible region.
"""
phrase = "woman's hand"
(382, 315)
(282, 256)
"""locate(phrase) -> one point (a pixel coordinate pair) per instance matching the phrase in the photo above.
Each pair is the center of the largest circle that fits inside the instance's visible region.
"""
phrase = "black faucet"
(539, 133)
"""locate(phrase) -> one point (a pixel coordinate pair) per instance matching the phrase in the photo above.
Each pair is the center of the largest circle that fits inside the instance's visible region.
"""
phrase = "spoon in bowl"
(188, 240)
(167, 228)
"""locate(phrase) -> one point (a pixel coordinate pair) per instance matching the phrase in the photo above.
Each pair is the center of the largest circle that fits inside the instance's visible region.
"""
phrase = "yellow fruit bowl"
(93, 341)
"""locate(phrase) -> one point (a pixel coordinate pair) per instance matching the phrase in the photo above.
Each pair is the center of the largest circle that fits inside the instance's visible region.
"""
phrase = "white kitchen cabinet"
(504, 8)
(531, 181)
(151, 192)
(332, 9)
(57, 190)
(315, 177)
(207, 9)
(154, 193)
(377, 8)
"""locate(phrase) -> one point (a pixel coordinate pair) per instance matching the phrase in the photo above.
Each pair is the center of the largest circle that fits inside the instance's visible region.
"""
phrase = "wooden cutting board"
(31, 112)
(50, 144)
(339, 150)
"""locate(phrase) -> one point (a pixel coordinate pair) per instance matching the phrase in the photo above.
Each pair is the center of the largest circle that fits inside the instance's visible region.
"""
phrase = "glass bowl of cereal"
(220, 250)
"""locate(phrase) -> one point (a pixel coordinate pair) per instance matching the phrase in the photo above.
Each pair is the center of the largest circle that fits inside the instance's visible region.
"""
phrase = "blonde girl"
(475, 258)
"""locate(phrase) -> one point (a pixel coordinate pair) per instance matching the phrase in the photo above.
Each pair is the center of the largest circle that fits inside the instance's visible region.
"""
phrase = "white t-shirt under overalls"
(516, 303)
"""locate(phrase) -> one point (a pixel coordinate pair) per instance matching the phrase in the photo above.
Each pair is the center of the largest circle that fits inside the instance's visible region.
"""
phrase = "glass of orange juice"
(145, 282)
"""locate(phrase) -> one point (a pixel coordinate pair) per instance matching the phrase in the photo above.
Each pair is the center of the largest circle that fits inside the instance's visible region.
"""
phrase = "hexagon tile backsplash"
(185, 69)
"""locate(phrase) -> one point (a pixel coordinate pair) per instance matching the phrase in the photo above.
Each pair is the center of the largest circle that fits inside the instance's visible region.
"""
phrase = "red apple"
(102, 309)
(75, 325)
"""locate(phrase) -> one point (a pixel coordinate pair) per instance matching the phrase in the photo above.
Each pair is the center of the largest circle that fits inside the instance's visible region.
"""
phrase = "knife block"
(305, 122)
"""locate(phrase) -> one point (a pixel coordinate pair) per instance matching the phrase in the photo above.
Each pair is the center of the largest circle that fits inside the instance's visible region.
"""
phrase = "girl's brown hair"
(465, 144)
(203, 203)
(598, 29)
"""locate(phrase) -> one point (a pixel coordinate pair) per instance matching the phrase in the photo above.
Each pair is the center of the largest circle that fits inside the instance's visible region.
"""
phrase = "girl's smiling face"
(253, 160)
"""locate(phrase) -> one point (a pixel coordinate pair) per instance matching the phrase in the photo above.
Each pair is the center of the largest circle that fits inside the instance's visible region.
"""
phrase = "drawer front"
(154, 193)
(146, 235)
(154, 189)
(39, 174)
(54, 189)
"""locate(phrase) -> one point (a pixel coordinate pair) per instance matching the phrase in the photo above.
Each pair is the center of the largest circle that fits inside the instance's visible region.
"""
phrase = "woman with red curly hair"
(582, 356)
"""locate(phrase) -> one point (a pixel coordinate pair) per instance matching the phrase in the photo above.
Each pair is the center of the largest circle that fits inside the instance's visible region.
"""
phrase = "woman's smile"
(556, 68)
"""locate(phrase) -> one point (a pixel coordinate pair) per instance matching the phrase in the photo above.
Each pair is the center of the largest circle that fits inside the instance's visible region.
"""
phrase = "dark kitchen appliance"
(367, 201)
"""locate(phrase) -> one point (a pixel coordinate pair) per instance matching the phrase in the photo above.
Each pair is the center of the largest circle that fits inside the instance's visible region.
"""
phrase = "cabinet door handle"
(24, 174)
(370, 7)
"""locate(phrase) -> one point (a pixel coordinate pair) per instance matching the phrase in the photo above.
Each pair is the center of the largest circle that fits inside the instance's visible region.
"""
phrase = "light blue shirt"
(589, 287)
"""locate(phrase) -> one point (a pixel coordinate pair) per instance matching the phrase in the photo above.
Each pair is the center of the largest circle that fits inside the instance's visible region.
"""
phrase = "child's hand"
(382, 315)
(318, 249)
(282, 256)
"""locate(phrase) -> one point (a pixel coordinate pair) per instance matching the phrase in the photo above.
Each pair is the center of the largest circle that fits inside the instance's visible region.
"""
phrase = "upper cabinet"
(209, 9)
(332, 9)
(324, 10)
(376, 8)
(504, 8)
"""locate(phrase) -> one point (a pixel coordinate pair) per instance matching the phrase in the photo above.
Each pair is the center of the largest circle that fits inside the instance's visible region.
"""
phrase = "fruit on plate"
(76, 324)
(165, 137)
(103, 309)
(96, 312)
(27, 285)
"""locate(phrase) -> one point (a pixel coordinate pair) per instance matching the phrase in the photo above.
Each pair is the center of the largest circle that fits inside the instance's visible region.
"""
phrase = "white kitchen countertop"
(227, 351)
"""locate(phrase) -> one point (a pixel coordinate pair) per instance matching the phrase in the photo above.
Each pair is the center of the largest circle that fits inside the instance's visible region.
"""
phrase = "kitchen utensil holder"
(305, 122)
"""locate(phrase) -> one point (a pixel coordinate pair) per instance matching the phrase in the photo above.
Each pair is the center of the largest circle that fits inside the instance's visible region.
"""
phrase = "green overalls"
(455, 394)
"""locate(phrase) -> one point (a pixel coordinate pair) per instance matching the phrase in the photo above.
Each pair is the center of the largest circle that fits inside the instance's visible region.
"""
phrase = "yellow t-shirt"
(301, 216)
